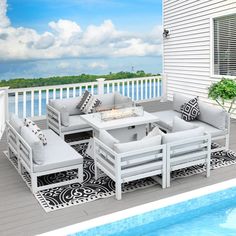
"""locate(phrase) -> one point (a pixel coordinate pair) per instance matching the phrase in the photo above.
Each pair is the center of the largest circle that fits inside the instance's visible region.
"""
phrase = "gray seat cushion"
(69, 103)
(57, 154)
(209, 128)
(75, 123)
(166, 118)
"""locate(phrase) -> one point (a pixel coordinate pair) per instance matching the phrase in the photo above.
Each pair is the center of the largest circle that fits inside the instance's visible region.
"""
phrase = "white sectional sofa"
(63, 117)
(39, 160)
(155, 154)
(214, 120)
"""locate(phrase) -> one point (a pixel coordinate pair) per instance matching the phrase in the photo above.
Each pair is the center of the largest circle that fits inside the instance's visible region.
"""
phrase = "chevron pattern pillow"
(190, 110)
(36, 130)
(88, 103)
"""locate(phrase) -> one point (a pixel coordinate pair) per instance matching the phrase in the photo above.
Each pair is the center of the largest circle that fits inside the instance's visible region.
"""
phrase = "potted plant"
(222, 92)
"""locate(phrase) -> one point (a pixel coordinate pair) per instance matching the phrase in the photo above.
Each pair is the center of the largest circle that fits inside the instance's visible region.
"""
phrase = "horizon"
(44, 39)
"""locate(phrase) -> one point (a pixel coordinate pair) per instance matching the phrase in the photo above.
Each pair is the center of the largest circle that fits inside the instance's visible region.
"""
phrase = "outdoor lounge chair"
(213, 119)
(57, 156)
(129, 161)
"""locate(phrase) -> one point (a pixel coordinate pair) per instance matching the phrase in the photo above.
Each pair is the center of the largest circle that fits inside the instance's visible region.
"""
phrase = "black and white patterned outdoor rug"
(90, 190)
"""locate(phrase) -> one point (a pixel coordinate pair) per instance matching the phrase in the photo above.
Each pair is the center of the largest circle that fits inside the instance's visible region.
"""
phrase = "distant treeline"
(24, 83)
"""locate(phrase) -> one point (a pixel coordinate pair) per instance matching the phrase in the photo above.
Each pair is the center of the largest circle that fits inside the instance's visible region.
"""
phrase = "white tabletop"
(97, 123)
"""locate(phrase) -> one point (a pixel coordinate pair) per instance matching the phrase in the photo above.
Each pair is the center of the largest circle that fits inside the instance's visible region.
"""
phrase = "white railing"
(3, 110)
(31, 102)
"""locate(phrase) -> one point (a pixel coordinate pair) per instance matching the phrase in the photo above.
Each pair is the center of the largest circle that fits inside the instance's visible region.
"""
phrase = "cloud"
(66, 39)
(4, 20)
(98, 65)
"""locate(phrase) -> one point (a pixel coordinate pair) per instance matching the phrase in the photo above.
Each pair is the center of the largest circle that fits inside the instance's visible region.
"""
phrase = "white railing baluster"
(16, 103)
(108, 87)
(74, 92)
(113, 87)
(47, 96)
(40, 102)
(150, 88)
(86, 87)
(80, 90)
(141, 86)
(158, 87)
(154, 87)
(61, 93)
(32, 103)
(123, 88)
(68, 92)
(118, 87)
(24, 104)
(54, 94)
(128, 93)
(92, 89)
(132, 89)
(137, 89)
(146, 88)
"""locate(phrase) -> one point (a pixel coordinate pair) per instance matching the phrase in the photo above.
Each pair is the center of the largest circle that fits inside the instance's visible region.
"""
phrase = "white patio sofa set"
(64, 118)
(155, 154)
(185, 144)
(39, 160)
(215, 120)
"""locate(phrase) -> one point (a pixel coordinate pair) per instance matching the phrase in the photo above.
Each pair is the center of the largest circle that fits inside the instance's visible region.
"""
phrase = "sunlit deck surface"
(21, 214)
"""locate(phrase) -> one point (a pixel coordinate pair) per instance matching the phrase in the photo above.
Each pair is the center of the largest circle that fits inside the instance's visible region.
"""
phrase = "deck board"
(21, 214)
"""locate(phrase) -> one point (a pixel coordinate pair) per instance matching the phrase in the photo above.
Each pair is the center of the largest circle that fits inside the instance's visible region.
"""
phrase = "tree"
(224, 91)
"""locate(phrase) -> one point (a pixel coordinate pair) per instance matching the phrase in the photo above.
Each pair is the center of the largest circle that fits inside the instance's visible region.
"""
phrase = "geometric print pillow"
(190, 110)
(36, 130)
(88, 103)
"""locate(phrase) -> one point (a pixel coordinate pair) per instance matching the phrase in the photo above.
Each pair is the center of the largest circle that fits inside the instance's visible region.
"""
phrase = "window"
(225, 45)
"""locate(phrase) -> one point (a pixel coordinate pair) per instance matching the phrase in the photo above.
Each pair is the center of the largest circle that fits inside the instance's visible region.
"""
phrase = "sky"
(42, 38)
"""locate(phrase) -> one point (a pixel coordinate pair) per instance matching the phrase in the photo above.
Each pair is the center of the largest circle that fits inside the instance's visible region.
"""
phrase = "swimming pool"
(192, 213)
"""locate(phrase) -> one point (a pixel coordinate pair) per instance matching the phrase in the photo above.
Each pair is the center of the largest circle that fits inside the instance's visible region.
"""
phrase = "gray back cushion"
(179, 99)
(136, 145)
(181, 125)
(69, 103)
(107, 139)
(16, 122)
(122, 101)
(212, 115)
(36, 145)
(107, 100)
(181, 135)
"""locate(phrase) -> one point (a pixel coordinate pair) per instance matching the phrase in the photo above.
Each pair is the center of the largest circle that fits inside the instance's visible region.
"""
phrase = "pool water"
(212, 214)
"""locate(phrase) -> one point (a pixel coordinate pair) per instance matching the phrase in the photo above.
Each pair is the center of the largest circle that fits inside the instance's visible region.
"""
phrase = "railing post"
(100, 86)
(4, 108)
(164, 88)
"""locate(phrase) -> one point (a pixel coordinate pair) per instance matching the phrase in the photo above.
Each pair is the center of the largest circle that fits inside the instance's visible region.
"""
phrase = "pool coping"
(116, 216)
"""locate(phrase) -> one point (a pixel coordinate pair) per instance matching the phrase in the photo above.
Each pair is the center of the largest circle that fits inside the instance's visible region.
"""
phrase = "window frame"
(212, 18)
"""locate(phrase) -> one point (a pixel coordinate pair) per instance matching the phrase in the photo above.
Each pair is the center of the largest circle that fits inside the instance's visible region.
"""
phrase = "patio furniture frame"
(54, 123)
(129, 166)
(176, 160)
(23, 152)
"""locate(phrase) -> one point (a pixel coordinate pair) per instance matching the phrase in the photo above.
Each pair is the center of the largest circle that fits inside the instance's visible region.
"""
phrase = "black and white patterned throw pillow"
(88, 103)
(190, 110)
(36, 130)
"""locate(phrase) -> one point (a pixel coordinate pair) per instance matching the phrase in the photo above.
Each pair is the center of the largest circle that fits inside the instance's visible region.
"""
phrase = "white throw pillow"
(38, 150)
(155, 131)
(181, 125)
(64, 113)
(36, 130)
(16, 122)
(107, 138)
(136, 145)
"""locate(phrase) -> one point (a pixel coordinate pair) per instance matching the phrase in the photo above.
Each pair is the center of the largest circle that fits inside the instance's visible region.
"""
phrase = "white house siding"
(186, 60)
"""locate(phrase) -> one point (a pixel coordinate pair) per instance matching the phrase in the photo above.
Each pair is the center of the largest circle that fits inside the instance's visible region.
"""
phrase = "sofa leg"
(118, 191)
(34, 183)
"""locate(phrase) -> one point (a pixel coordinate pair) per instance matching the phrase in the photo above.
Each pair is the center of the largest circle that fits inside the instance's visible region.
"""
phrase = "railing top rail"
(59, 86)
(134, 79)
(28, 89)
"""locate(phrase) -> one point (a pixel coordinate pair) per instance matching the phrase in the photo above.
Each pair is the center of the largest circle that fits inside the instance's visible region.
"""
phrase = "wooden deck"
(21, 214)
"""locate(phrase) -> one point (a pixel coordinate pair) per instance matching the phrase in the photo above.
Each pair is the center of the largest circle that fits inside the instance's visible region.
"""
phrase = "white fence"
(31, 102)
(3, 110)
